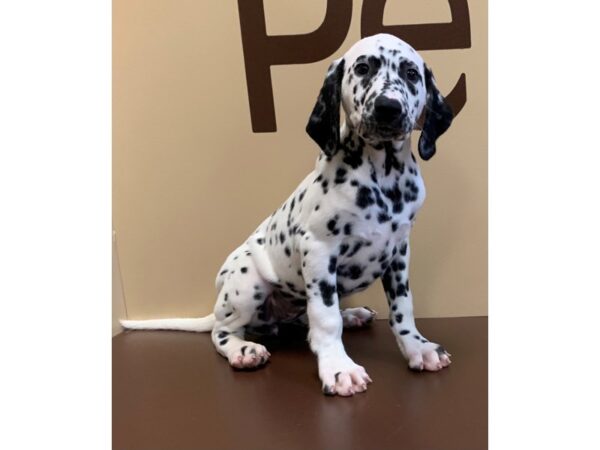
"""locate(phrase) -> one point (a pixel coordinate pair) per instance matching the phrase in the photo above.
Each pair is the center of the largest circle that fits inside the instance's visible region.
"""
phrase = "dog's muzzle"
(388, 118)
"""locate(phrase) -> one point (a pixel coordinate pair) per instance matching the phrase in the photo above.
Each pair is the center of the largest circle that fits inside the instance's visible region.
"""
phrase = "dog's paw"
(428, 356)
(249, 356)
(358, 317)
(343, 379)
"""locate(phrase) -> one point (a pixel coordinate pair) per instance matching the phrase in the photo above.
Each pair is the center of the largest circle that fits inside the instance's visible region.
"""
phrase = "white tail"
(197, 325)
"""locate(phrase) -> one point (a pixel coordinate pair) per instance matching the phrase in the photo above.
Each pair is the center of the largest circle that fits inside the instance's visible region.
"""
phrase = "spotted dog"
(345, 226)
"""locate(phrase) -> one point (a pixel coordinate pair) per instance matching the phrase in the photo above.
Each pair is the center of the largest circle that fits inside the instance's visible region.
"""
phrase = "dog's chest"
(381, 227)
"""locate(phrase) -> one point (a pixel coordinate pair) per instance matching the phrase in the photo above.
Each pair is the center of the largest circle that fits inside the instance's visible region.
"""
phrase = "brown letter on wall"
(262, 51)
(427, 36)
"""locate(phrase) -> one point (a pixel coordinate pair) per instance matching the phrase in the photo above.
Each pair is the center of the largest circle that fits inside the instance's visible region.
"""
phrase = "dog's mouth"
(388, 132)
(385, 132)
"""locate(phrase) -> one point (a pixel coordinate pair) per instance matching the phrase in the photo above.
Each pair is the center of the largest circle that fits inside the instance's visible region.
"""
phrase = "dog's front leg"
(420, 353)
(338, 373)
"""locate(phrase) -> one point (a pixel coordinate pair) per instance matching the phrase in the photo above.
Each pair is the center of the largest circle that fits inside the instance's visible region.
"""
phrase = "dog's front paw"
(427, 356)
(249, 356)
(343, 378)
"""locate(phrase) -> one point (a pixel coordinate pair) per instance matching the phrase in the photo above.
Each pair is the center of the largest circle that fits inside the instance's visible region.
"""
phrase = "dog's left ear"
(438, 117)
(324, 122)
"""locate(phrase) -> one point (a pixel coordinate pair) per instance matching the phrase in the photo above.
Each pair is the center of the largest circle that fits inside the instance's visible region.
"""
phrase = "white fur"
(198, 325)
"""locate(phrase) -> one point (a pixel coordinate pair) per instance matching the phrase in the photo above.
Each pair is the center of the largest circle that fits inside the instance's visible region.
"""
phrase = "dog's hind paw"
(358, 317)
(249, 356)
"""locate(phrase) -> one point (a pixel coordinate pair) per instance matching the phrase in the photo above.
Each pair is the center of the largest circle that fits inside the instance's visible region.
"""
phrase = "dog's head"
(384, 87)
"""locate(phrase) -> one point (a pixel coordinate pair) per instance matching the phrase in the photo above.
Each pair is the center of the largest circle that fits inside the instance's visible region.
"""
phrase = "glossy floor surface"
(171, 390)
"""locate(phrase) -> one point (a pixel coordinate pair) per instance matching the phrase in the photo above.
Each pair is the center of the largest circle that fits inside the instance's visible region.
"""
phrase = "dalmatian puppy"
(344, 227)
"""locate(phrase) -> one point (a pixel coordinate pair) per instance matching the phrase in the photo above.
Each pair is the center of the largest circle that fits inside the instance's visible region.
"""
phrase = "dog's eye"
(412, 74)
(361, 69)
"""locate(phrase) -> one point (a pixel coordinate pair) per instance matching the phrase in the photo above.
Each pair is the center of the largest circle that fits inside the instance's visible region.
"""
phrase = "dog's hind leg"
(240, 297)
(351, 317)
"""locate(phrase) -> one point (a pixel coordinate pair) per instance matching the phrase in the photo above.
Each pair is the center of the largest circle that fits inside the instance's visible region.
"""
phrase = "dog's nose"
(387, 110)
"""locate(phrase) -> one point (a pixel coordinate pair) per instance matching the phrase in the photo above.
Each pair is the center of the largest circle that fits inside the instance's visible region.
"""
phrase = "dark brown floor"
(171, 390)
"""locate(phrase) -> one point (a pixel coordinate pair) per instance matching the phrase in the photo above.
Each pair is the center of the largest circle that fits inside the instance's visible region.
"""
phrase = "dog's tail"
(197, 325)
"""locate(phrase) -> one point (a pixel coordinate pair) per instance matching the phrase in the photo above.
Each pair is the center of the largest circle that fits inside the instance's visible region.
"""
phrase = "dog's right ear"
(324, 122)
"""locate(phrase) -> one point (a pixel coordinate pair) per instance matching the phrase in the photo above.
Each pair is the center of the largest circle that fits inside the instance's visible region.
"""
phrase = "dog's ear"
(438, 117)
(324, 122)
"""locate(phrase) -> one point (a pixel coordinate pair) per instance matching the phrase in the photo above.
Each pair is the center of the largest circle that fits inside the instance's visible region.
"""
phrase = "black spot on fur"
(354, 272)
(364, 197)
(379, 199)
(401, 291)
(244, 269)
(387, 283)
(353, 158)
(391, 162)
(395, 196)
(383, 217)
(357, 246)
(331, 226)
(332, 264)
(348, 229)
(327, 292)
(398, 318)
(340, 176)
(410, 194)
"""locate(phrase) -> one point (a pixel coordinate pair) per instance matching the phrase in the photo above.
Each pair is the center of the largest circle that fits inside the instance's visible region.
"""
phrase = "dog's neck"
(385, 158)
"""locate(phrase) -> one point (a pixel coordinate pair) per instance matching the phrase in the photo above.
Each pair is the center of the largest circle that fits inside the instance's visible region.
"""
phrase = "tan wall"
(119, 310)
(191, 180)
